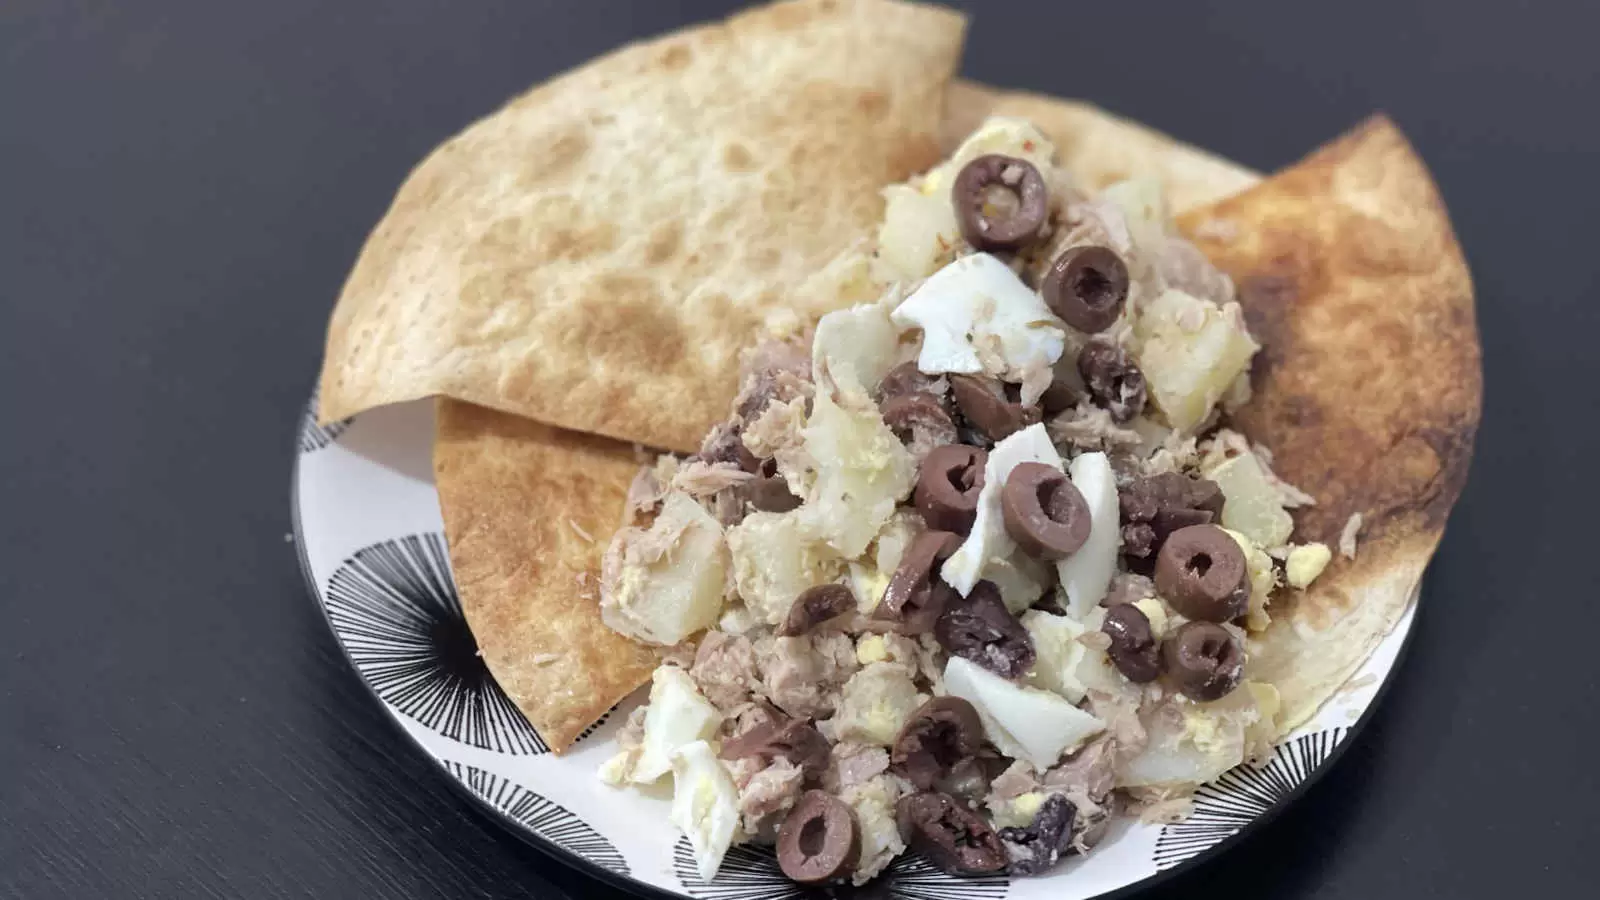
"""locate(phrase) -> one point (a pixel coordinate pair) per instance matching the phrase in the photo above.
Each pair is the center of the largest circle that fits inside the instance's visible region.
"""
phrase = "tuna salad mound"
(975, 567)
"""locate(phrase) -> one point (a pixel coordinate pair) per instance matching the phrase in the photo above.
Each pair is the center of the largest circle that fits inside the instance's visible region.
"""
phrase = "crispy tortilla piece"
(1097, 147)
(596, 254)
(518, 498)
(1367, 391)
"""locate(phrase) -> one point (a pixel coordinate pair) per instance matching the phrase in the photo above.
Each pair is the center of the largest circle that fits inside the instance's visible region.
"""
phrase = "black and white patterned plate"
(371, 545)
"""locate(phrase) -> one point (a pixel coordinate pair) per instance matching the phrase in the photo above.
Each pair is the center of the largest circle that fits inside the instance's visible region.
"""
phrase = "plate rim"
(645, 889)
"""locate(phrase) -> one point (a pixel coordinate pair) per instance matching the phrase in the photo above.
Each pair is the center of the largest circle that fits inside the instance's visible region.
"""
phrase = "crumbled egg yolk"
(1268, 700)
(1019, 811)
(1262, 580)
(869, 584)
(1305, 563)
(1156, 613)
(1200, 729)
(871, 649)
(617, 770)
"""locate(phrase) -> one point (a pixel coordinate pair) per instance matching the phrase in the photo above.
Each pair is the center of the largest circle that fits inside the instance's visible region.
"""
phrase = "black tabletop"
(183, 184)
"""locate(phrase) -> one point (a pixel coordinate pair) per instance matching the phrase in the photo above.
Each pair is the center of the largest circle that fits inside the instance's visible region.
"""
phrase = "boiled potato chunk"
(773, 561)
(1192, 743)
(1190, 351)
(919, 234)
(1144, 207)
(875, 704)
(862, 472)
(1250, 505)
(1059, 653)
(667, 582)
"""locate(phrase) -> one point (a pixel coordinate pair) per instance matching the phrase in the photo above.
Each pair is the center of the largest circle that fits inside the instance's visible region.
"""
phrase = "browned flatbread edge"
(1368, 390)
(527, 510)
(596, 254)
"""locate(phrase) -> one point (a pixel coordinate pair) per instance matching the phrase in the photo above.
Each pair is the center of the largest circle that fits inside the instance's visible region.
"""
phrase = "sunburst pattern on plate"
(550, 821)
(1236, 799)
(394, 607)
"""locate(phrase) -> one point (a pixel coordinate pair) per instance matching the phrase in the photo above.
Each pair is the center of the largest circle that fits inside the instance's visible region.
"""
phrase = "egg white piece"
(976, 316)
(705, 805)
(988, 538)
(677, 715)
(1027, 723)
(1086, 574)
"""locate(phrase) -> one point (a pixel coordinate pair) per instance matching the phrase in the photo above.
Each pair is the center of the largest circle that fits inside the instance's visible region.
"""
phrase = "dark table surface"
(183, 184)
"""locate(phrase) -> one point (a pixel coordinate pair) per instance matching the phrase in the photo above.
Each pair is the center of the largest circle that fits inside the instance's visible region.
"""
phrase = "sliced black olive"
(1086, 286)
(1001, 202)
(819, 841)
(948, 485)
(1202, 572)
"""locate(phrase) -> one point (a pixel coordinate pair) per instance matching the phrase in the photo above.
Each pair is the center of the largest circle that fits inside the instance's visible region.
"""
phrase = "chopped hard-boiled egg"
(988, 539)
(854, 348)
(671, 578)
(774, 560)
(1190, 743)
(919, 232)
(1190, 351)
(1262, 580)
(872, 648)
(1020, 578)
(1250, 505)
(1058, 653)
(705, 805)
(868, 583)
(1007, 135)
(875, 704)
(1019, 811)
(1156, 612)
(1305, 563)
(618, 770)
(1086, 574)
(976, 316)
(863, 471)
(1023, 722)
(677, 715)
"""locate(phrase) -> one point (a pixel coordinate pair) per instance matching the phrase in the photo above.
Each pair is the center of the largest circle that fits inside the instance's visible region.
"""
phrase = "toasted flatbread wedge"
(528, 509)
(1368, 390)
(596, 254)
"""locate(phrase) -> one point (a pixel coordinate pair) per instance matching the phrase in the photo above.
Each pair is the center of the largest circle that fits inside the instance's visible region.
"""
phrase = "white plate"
(372, 547)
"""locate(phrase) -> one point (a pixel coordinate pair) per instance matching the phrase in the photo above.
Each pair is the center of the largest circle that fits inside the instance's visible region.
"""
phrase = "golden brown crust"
(596, 254)
(1368, 388)
(527, 511)
(1368, 392)
(1099, 148)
